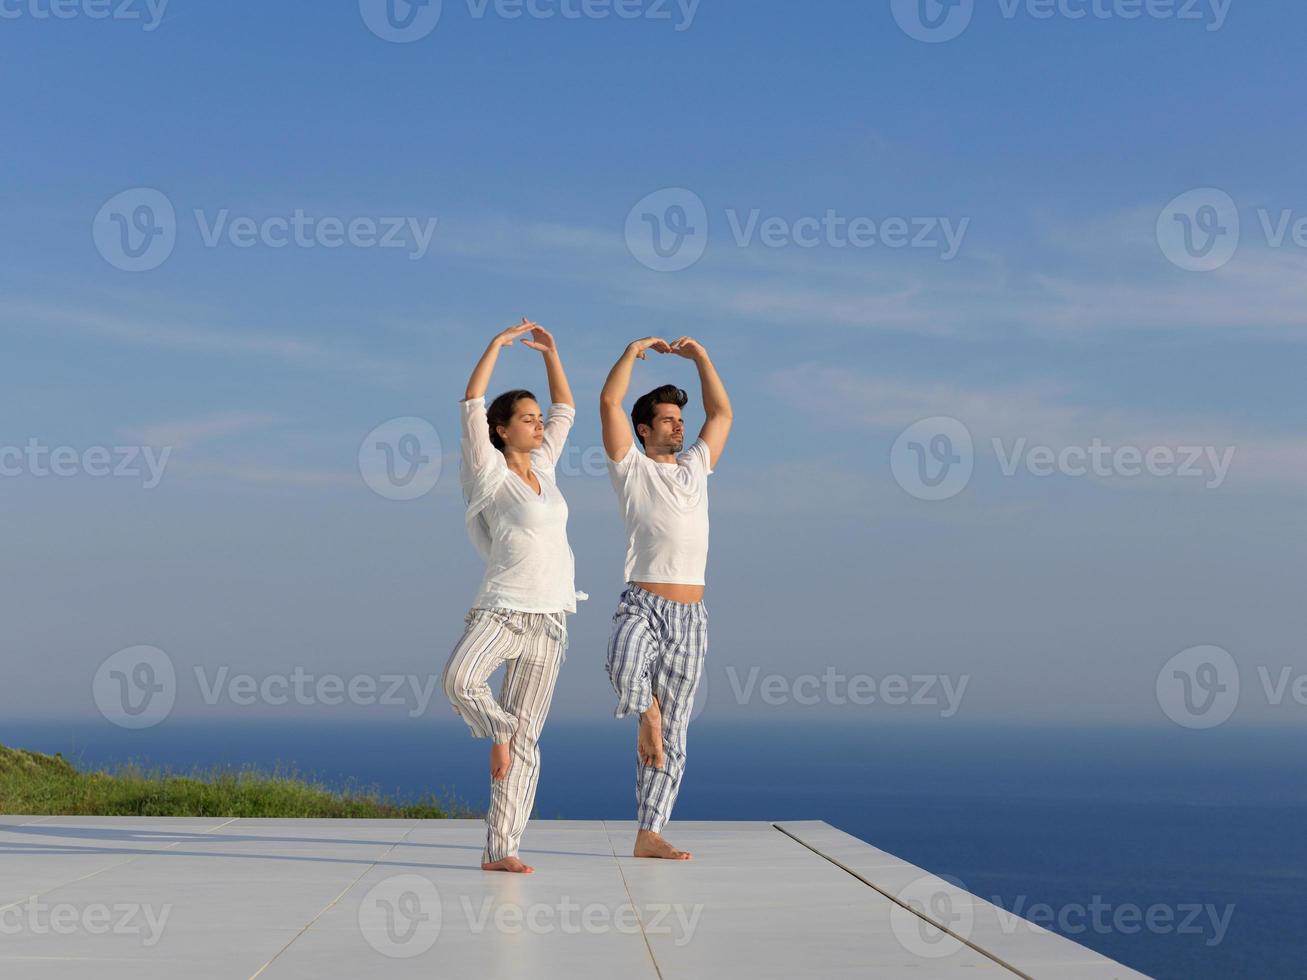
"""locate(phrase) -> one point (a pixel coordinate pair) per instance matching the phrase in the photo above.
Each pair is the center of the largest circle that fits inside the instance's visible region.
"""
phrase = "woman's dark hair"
(642, 412)
(501, 412)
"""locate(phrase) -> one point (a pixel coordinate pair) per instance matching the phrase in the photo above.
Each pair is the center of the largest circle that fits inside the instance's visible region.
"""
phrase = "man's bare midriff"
(674, 593)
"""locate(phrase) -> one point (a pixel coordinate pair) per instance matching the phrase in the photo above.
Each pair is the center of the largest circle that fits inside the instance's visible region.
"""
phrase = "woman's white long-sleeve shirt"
(521, 535)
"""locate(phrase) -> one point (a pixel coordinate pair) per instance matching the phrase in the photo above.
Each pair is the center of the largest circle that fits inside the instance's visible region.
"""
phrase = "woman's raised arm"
(480, 380)
(562, 408)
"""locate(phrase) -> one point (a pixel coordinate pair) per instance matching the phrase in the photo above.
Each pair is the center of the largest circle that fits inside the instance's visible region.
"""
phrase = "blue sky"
(1055, 143)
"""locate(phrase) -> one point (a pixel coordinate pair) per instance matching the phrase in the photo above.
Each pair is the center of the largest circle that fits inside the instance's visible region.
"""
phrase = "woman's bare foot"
(651, 845)
(500, 758)
(649, 743)
(509, 864)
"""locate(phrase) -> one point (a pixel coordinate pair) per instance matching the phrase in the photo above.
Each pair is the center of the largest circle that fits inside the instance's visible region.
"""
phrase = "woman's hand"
(505, 338)
(541, 340)
(480, 380)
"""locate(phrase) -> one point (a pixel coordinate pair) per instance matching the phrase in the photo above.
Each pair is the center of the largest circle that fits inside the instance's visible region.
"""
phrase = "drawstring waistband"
(562, 622)
(561, 625)
(555, 622)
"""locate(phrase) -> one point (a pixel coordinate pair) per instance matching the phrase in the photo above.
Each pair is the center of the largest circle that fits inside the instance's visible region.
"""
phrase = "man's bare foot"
(651, 845)
(649, 743)
(509, 864)
(500, 758)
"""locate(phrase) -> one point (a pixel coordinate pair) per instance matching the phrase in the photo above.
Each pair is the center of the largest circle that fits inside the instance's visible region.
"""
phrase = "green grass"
(32, 783)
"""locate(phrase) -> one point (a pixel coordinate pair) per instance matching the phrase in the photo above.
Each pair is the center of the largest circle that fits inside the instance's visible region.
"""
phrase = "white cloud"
(186, 433)
(1045, 414)
(266, 474)
(1121, 280)
(146, 329)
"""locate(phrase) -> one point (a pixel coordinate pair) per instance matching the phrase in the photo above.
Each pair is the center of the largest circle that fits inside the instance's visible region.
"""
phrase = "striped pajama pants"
(657, 648)
(533, 645)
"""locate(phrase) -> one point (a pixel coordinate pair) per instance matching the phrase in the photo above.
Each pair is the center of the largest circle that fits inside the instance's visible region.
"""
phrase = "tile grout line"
(335, 901)
(638, 917)
(97, 871)
(945, 929)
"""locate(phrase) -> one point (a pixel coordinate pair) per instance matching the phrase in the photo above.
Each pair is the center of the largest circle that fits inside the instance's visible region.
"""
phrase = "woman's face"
(526, 430)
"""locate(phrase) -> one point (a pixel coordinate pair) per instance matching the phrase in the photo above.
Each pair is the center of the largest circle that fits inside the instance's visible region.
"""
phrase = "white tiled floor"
(197, 898)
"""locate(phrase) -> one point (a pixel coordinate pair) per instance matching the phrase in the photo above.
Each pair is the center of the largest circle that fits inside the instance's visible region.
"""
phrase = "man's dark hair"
(501, 412)
(642, 412)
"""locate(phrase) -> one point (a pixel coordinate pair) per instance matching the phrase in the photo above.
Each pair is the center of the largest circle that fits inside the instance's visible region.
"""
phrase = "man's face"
(668, 431)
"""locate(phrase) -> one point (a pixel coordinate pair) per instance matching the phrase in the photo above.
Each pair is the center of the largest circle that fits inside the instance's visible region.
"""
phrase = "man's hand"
(656, 343)
(688, 347)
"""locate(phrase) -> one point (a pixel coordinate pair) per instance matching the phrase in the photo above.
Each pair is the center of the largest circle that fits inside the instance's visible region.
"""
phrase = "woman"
(517, 519)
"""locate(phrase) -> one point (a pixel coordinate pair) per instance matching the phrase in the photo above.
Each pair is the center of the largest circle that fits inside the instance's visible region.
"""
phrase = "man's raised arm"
(612, 417)
(716, 404)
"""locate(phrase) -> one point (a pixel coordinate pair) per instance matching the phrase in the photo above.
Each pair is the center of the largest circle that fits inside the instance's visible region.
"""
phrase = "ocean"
(1092, 831)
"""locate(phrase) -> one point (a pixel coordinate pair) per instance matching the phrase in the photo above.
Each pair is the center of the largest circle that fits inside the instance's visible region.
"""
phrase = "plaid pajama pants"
(657, 648)
(533, 646)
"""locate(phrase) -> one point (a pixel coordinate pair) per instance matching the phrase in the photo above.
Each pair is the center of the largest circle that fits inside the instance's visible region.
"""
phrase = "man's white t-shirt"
(665, 507)
(521, 534)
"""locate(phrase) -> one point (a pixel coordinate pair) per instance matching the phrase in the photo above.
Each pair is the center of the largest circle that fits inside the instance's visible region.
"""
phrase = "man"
(660, 629)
